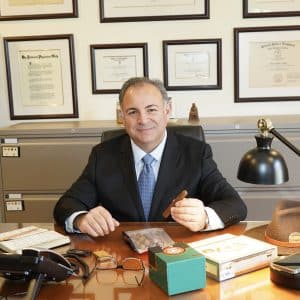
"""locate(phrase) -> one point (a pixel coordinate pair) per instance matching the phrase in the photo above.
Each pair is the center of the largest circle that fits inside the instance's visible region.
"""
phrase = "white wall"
(87, 29)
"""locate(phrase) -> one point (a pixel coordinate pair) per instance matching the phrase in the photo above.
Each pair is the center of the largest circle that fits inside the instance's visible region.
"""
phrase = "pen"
(179, 197)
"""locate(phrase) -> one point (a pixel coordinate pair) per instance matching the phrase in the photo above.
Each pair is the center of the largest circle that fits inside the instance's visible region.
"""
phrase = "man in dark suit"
(108, 190)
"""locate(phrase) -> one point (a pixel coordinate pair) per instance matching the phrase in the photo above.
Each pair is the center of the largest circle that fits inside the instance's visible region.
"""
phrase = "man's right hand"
(97, 222)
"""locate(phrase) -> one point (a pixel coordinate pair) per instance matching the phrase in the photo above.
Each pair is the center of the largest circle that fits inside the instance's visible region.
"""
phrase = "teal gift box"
(177, 269)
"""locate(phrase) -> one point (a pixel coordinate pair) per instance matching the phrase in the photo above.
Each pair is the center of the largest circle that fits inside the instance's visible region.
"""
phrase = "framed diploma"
(192, 64)
(267, 65)
(152, 10)
(271, 8)
(41, 77)
(37, 9)
(113, 64)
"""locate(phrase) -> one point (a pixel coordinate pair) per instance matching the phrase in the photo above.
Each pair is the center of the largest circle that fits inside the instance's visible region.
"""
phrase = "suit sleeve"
(218, 194)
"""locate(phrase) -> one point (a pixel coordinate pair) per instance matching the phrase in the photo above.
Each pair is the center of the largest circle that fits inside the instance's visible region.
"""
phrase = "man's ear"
(169, 108)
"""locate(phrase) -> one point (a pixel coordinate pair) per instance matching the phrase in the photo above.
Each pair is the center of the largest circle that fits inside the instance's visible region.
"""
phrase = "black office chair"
(195, 131)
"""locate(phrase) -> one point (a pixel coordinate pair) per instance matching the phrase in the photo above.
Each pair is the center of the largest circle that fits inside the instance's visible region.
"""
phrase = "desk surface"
(255, 285)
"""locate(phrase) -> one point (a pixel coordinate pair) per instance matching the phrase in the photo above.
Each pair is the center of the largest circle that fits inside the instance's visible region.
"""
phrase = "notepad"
(31, 236)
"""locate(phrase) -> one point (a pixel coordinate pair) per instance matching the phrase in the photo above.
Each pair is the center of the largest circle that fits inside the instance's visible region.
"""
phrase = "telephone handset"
(35, 265)
(31, 262)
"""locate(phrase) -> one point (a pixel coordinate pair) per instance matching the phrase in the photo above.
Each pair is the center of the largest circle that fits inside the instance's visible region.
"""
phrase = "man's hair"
(139, 81)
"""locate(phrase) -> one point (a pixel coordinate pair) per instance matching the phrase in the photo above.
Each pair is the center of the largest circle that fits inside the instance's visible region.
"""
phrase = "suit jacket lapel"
(166, 180)
(128, 172)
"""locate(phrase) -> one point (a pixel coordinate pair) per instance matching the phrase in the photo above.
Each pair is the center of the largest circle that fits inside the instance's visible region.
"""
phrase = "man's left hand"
(190, 212)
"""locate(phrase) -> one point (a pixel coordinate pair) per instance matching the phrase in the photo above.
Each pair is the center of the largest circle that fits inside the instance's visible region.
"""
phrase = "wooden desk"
(255, 285)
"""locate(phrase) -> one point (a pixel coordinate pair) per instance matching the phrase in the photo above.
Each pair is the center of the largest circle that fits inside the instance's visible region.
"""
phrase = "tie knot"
(148, 159)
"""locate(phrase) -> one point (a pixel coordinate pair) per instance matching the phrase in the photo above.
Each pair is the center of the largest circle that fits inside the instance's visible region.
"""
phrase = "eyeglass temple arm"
(265, 126)
(142, 279)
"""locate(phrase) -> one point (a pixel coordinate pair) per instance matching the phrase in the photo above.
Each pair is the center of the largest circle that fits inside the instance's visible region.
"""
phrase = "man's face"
(145, 115)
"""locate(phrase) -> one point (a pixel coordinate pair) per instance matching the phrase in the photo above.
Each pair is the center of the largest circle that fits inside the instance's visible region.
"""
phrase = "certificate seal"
(173, 250)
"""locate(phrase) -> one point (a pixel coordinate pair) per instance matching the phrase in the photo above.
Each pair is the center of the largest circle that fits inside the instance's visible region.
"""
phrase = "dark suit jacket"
(109, 180)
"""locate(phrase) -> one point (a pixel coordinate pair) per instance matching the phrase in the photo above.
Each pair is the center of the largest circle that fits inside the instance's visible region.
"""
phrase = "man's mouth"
(144, 129)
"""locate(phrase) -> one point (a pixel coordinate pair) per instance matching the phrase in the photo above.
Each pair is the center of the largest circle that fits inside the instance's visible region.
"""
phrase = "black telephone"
(35, 265)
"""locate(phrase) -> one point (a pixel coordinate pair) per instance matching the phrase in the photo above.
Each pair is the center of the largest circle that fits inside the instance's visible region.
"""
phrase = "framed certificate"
(267, 65)
(41, 77)
(113, 64)
(37, 9)
(271, 8)
(152, 10)
(192, 64)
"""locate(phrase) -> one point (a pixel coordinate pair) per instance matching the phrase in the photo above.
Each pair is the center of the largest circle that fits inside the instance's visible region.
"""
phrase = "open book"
(31, 237)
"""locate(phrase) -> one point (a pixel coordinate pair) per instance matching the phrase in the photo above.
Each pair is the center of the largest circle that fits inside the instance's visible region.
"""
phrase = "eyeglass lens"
(132, 264)
(109, 262)
(132, 269)
(106, 263)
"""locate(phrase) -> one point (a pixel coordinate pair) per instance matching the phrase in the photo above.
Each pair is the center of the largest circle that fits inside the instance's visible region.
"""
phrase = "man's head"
(146, 110)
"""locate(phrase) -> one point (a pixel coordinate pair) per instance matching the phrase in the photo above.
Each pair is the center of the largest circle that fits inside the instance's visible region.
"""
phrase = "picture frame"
(266, 64)
(41, 77)
(37, 9)
(149, 10)
(194, 64)
(270, 8)
(113, 64)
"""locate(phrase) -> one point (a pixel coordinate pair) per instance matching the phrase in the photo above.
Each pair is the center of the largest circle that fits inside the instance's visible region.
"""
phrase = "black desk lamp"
(263, 164)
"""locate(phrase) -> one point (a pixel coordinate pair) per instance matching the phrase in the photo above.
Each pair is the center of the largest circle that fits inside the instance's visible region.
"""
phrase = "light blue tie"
(146, 184)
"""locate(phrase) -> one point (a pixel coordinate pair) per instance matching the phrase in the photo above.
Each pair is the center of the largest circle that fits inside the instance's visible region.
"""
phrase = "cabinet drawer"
(262, 202)
(35, 207)
(46, 164)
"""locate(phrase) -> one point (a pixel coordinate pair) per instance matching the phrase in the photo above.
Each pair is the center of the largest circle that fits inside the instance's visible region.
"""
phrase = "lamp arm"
(265, 126)
(285, 141)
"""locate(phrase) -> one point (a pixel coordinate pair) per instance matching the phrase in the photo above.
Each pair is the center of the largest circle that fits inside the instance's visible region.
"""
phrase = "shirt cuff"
(69, 223)
(214, 221)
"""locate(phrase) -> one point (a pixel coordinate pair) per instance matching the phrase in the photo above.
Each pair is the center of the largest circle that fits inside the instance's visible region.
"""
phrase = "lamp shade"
(263, 165)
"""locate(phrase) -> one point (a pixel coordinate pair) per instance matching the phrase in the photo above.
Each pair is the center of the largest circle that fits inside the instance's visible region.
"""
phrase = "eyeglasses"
(132, 268)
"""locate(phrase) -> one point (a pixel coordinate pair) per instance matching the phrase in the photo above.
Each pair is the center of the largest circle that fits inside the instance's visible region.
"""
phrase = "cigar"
(179, 197)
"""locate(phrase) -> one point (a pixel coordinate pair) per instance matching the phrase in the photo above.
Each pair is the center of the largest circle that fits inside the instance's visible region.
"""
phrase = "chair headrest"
(195, 131)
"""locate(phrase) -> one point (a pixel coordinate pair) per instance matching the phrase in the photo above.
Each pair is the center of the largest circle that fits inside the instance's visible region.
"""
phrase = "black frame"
(73, 14)
(104, 19)
(247, 14)
(274, 97)
(218, 84)
(93, 48)
(70, 39)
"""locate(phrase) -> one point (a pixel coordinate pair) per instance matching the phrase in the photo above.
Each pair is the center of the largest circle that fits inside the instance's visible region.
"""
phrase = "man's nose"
(142, 117)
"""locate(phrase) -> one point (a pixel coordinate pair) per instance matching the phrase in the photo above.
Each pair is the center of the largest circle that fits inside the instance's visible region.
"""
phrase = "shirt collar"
(138, 153)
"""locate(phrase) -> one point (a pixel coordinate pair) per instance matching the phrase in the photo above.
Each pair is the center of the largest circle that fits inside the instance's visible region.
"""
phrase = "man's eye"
(132, 112)
(151, 110)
